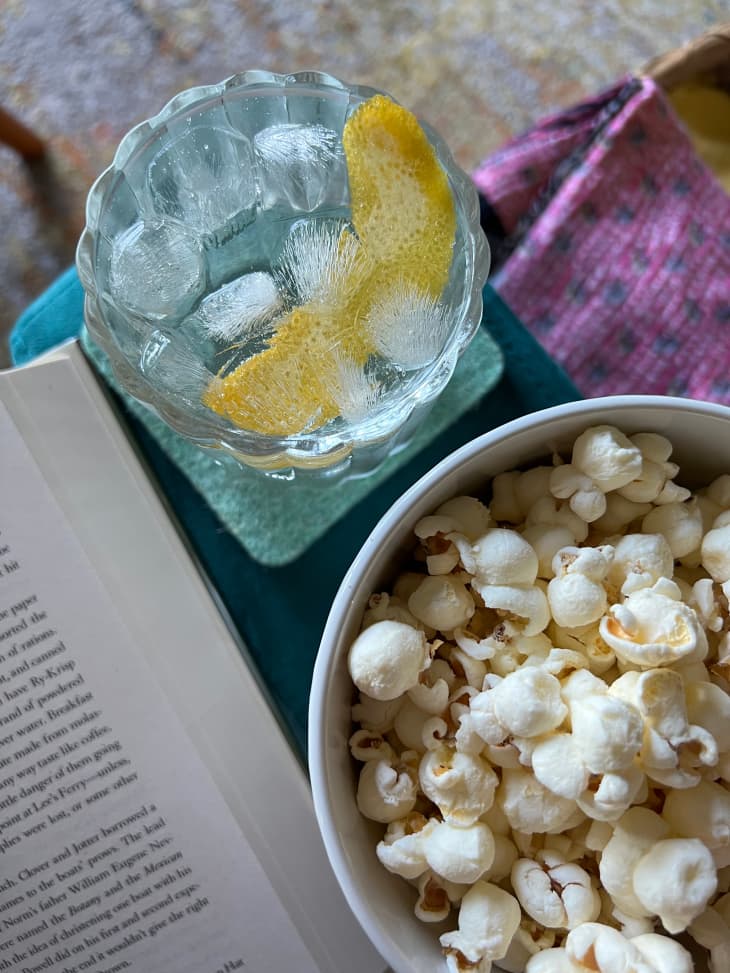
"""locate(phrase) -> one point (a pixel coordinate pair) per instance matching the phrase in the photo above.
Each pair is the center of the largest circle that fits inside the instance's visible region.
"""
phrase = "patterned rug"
(81, 75)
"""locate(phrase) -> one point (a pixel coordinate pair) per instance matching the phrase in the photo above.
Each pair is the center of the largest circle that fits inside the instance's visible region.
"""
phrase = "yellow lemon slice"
(403, 213)
(402, 207)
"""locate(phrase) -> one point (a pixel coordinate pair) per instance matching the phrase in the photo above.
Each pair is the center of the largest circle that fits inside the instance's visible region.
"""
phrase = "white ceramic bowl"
(383, 902)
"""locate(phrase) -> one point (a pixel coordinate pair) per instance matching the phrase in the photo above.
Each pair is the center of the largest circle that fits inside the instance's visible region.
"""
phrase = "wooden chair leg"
(20, 138)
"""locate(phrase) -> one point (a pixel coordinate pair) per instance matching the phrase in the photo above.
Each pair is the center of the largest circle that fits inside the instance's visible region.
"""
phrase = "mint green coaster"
(275, 520)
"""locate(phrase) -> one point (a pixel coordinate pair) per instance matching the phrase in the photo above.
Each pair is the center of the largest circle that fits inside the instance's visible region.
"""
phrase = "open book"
(152, 815)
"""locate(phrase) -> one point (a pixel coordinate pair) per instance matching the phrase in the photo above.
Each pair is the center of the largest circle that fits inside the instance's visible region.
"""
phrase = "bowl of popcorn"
(520, 712)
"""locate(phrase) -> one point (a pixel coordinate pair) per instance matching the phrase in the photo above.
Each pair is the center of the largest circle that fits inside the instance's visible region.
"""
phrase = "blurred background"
(80, 74)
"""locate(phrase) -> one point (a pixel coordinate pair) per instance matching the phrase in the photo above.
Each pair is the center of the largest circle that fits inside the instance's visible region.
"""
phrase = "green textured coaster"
(275, 520)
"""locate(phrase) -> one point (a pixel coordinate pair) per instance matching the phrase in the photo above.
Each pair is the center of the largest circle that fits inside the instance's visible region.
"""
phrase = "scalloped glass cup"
(200, 195)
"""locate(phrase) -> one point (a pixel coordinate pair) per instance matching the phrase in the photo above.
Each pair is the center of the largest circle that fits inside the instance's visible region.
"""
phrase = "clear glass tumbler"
(188, 233)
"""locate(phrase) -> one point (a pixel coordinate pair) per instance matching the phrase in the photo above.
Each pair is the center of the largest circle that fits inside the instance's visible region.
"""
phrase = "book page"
(117, 852)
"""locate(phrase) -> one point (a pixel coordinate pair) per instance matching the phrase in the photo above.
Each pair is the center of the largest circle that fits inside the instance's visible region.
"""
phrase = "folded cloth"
(616, 249)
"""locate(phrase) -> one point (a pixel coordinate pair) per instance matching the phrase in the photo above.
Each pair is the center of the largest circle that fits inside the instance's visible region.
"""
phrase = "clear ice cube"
(355, 392)
(408, 326)
(205, 178)
(173, 364)
(322, 260)
(157, 269)
(301, 166)
(240, 308)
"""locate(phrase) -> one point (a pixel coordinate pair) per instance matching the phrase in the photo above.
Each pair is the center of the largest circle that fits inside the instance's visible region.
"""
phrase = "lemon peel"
(403, 213)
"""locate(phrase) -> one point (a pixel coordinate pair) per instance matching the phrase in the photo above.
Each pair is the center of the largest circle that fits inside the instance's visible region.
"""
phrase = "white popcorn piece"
(576, 595)
(479, 725)
(376, 715)
(438, 534)
(433, 903)
(385, 792)
(581, 684)
(527, 606)
(405, 584)
(591, 562)
(443, 563)
(586, 498)
(471, 670)
(529, 940)
(504, 507)
(527, 703)
(612, 793)
(586, 641)
(488, 919)
(431, 693)
(675, 880)
(409, 725)
(598, 835)
(460, 855)
(435, 524)
(555, 893)
(608, 457)
(531, 486)
(402, 849)
(708, 706)
(513, 647)
(546, 541)
(597, 947)
(672, 749)
(503, 557)
(474, 646)
(719, 491)
(461, 785)
(557, 764)
(647, 487)
(639, 560)
(635, 833)
(715, 553)
(532, 808)
(712, 930)
(555, 960)
(434, 733)
(620, 513)
(702, 599)
(655, 483)
(653, 447)
(456, 962)
(665, 955)
(630, 926)
(607, 731)
(471, 515)
(384, 607)
(679, 523)
(576, 600)
(549, 512)
(442, 602)
(704, 813)
(558, 662)
(505, 855)
(653, 629)
(387, 658)
(366, 745)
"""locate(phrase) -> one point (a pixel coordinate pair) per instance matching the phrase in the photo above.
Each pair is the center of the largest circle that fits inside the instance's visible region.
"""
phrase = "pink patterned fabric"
(619, 241)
